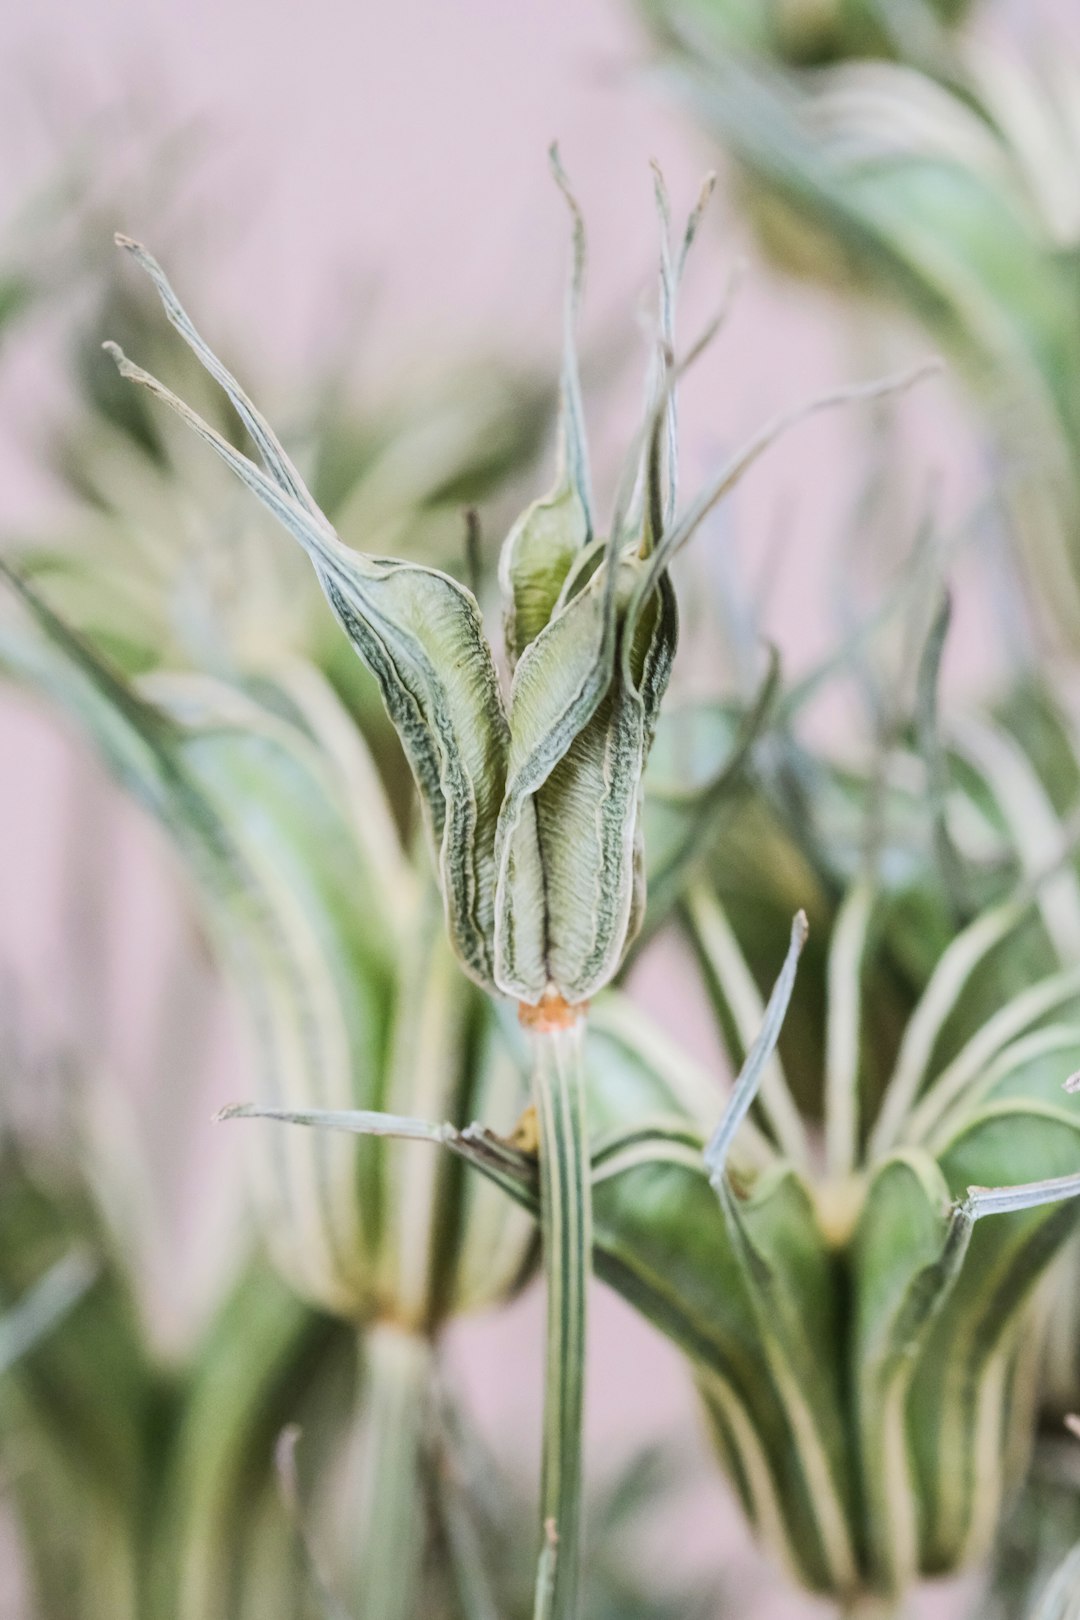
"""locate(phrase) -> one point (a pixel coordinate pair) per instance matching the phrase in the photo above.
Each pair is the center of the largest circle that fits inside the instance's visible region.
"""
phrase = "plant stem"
(397, 1370)
(566, 1224)
(867, 1606)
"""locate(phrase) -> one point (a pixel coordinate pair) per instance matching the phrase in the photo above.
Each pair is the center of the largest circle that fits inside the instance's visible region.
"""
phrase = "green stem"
(869, 1607)
(397, 1369)
(566, 1225)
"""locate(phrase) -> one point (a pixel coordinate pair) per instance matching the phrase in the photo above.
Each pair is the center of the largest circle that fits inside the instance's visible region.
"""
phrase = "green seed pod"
(591, 632)
(532, 804)
(939, 1067)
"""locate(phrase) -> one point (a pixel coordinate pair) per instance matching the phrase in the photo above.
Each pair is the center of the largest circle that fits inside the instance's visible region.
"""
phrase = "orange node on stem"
(550, 1013)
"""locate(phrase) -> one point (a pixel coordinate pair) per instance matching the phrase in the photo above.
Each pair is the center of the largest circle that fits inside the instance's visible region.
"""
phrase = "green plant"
(942, 187)
(535, 817)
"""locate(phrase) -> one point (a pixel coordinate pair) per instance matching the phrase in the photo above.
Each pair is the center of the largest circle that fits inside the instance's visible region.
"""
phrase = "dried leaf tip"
(562, 180)
(1073, 1082)
(128, 243)
(661, 191)
(127, 368)
(232, 1111)
(285, 1464)
(800, 929)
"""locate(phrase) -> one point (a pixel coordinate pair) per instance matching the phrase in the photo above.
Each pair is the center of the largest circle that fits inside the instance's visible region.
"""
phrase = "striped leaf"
(417, 630)
(972, 1382)
(43, 1308)
(905, 1254)
(544, 543)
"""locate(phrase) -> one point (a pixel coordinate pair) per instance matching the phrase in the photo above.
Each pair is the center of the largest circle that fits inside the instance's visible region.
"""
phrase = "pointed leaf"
(419, 633)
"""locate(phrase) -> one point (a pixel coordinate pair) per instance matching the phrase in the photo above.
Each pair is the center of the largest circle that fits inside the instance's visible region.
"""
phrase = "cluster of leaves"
(943, 184)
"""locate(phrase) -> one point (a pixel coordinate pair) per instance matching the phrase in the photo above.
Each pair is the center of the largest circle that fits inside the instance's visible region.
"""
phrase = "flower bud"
(533, 804)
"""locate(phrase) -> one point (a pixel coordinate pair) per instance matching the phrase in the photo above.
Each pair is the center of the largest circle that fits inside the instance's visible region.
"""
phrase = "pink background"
(405, 146)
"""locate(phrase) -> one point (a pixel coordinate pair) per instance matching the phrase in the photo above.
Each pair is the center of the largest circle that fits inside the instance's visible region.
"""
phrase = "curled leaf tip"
(232, 1111)
(285, 1462)
(759, 1055)
(556, 164)
(562, 180)
(117, 354)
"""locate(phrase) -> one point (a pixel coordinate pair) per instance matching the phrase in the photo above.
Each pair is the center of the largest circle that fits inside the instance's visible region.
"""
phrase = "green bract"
(936, 1057)
(162, 560)
(904, 1371)
(532, 801)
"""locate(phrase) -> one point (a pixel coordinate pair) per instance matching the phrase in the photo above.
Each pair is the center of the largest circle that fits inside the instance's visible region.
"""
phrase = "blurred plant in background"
(941, 184)
(811, 32)
(944, 185)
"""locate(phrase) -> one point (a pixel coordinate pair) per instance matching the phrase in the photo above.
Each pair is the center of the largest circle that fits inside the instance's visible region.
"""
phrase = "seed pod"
(533, 806)
(530, 911)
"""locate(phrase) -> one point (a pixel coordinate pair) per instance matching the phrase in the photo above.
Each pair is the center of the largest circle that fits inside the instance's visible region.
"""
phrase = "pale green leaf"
(43, 1308)
(420, 634)
(541, 548)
